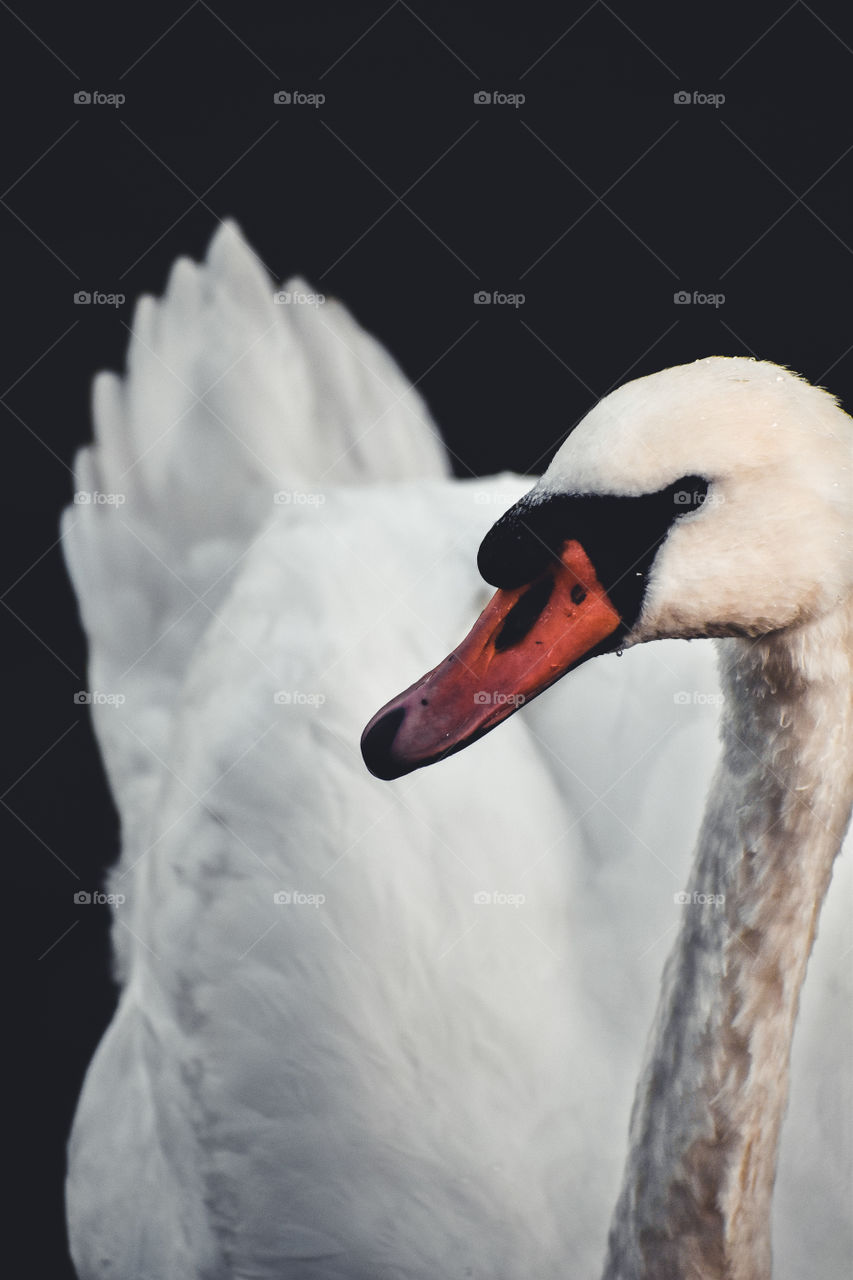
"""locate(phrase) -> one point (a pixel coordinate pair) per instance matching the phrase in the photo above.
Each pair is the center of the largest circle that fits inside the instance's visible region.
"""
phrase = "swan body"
(423, 1061)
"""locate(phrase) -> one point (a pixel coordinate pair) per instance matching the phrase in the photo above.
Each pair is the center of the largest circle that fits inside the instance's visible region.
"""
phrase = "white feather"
(398, 1080)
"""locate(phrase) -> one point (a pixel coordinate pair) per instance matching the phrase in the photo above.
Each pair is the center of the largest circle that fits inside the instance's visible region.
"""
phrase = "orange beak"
(522, 642)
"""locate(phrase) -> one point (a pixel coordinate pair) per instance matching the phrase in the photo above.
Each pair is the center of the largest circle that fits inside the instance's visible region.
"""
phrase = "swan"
(711, 499)
(368, 1028)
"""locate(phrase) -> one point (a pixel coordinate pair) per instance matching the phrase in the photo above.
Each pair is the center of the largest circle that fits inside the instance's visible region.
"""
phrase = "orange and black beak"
(572, 569)
(524, 640)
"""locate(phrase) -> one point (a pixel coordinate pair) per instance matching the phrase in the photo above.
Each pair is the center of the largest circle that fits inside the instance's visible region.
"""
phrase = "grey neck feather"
(698, 1182)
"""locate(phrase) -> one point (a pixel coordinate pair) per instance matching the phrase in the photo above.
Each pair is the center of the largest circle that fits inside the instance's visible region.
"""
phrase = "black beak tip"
(377, 744)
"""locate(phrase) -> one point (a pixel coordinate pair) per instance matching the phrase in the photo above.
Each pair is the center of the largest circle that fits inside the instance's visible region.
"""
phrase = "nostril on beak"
(376, 743)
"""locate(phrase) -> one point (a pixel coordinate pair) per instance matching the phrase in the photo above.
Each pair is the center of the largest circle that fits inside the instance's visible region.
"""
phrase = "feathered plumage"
(382, 1074)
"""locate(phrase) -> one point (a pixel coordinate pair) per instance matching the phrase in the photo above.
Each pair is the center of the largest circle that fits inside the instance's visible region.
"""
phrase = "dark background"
(598, 199)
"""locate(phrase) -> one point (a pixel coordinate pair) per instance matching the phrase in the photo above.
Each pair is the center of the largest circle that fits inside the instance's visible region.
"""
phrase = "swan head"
(709, 499)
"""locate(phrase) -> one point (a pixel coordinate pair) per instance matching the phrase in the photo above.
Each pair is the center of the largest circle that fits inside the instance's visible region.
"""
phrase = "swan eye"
(578, 594)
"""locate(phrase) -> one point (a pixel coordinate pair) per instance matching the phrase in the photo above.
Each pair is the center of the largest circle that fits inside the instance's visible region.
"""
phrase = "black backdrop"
(598, 198)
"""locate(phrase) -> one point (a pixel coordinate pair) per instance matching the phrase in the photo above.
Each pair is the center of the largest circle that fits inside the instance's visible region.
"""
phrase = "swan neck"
(698, 1183)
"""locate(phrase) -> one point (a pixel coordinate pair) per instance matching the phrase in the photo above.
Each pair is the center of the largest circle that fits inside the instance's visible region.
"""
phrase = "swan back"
(234, 410)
